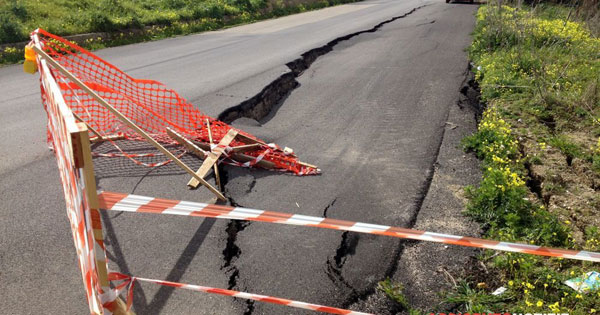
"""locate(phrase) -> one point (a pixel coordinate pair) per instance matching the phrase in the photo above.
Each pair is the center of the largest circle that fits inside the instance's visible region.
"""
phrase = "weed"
(568, 148)
(394, 292)
(474, 299)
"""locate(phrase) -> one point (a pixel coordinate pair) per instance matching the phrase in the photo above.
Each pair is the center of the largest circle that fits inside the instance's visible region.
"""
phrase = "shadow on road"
(158, 302)
(108, 167)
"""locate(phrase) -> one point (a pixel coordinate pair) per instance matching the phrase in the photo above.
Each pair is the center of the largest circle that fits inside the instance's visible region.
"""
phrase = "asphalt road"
(370, 113)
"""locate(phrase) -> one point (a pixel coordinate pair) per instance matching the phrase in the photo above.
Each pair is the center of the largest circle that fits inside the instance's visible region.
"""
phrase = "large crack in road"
(262, 108)
(264, 103)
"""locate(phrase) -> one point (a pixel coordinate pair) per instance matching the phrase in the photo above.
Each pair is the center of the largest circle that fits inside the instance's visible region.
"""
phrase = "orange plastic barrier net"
(149, 104)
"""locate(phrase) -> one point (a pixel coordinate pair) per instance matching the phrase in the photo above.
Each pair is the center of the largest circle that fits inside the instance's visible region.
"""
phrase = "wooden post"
(126, 120)
(82, 155)
(215, 166)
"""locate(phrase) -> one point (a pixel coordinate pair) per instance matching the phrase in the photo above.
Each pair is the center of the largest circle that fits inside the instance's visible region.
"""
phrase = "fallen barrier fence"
(70, 139)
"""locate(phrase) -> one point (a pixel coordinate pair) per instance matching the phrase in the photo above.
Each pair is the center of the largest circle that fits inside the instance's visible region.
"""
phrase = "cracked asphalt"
(369, 109)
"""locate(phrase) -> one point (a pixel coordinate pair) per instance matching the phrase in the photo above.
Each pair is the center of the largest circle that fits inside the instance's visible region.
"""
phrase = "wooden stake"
(189, 145)
(247, 158)
(246, 148)
(213, 157)
(107, 138)
(307, 165)
(215, 166)
(128, 122)
(99, 137)
(248, 140)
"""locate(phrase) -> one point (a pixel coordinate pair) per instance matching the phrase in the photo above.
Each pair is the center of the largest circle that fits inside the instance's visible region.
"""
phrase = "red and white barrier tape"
(60, 125)
(134, 203)
(130, 281)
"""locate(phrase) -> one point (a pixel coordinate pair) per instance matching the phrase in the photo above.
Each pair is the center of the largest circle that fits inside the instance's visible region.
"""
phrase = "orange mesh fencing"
(149, 104)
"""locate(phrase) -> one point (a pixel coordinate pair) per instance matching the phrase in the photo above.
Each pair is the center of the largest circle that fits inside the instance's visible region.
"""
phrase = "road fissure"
(263, 104)
(329, 206)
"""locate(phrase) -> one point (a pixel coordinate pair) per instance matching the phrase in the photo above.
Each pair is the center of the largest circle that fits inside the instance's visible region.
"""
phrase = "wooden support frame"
(126, 121)
(200, 149)
(240, 157)
(82, 154)
(213, 157)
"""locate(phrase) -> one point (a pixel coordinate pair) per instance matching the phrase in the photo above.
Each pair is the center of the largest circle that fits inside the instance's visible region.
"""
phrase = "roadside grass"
(130, 21)
(473, 299)
(539, 142)
(394, 291)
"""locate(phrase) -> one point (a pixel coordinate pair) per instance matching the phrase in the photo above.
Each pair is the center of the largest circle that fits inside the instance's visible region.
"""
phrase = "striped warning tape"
(129, 281)
(135, 203)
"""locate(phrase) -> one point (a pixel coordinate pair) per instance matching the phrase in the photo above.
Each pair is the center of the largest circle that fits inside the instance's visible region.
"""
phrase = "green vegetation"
(130, 21)
(394, 292)
(501, 201)
(475, 299)
(539, 74)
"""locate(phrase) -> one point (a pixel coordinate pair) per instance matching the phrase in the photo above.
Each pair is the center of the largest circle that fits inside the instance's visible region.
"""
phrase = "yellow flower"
(529, 285)
(555, 307)
(578, 296)
(511, 283)
(539, 303)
